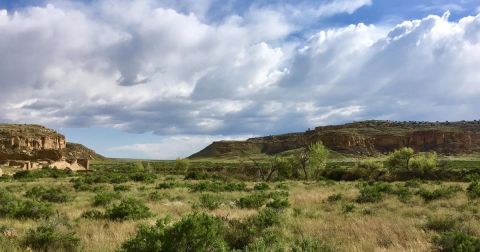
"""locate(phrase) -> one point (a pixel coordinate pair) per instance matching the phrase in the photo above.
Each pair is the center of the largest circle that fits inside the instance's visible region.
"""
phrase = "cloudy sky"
(163, 78)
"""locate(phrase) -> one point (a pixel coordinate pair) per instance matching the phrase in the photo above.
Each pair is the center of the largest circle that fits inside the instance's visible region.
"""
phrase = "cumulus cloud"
(155, 68)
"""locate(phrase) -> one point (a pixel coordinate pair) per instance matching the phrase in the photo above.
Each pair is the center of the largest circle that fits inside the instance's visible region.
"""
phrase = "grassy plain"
(333, 213)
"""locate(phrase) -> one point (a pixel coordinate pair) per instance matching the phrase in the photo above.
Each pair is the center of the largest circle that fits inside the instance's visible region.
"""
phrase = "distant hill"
(363, 137)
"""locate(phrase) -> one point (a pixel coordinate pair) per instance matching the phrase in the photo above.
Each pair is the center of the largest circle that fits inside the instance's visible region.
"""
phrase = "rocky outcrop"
(34, 146)
(366, 137)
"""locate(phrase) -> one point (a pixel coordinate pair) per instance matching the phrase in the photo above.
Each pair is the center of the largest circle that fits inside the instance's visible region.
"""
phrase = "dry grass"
(389, 225)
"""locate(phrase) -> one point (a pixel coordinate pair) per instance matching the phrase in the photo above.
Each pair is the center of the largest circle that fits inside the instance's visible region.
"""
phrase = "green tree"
(313, 159)
(423, 163)
(400, 159)
(181, 164)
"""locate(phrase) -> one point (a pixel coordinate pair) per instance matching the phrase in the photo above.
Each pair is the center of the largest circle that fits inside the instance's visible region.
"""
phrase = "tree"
(313, 158)
(400, 159)
(423, 163)
(181, 164)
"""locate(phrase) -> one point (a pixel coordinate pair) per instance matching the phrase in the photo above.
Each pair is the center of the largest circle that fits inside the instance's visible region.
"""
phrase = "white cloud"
(157, 69)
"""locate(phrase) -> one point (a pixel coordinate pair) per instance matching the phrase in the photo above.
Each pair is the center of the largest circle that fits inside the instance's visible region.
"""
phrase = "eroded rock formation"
(34, 146)
(366, 137)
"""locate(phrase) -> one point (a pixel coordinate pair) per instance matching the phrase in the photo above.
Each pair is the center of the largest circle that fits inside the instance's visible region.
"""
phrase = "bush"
(128, 209)
(218, 187)
(49, 237)
(104, 198)
(310, 245)
(169, 185)
(442, 192)
(121, 188)
(181, 165)
(14, 207)
(369, 169)
(279, 203)
(146, 177)
(335, 197)
(56, 195)
(93, 214)
(194, 232)
(261, 187)
(456, 241)
(473, 190)
(423, 164)
(210, 201)
(373, 192)
(255, 200)
(399, 160)
(441, 223)
(348, 208)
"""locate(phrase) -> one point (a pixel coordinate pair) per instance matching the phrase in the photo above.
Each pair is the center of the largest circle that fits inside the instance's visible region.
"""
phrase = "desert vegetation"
(304, 201)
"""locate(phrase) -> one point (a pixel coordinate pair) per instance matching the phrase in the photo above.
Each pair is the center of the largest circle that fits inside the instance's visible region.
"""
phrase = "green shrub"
(121, 188)
(310, 245)
(93, 214)
(11, 206)
(369, 169)
(218, 187)
(146, 177)
(399, 160)
(279, 203)
(181, 165)
(104, 198)
(210, 201)
(49, 237)
(373, 192)
(194, 232)
(169, 185)
(128, 209)
(348, 207)
(403, 193)
(456, 241)
(442, 192)
(441, 223)
(424, 163)
(261, 187)
(473, 190)
(255, 200)
(335, 197)
(56, 195)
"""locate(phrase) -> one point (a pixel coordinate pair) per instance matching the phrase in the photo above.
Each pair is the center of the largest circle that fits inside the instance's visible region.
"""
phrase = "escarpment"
(365, 137)
(34, 146)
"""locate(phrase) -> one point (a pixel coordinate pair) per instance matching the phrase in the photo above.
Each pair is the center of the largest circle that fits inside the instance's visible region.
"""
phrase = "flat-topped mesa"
(30, 137)
(364, 137)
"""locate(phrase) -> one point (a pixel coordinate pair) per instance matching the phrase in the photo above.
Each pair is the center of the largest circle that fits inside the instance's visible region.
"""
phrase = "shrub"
(442, 192)
(104, 198)
(456, 241)
(93, 214)
(56, 195)
(194, 232)
(121, 188)
(279, 203)
(217, 187)
(210, 201)
(14, 207)
(348, 208)
(424, 163)
(369, 169)
(399, 159)
(181, 165)
(373, 192)
(473, 190)
(441, 223)
(49, 237)
(310, 245)
(261, 187)
(255, 200)
(128, 209)
(146, 177)
(169, 185)
(335, 197)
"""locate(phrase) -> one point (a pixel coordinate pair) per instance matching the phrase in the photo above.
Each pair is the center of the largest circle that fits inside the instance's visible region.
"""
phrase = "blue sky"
(162, 79)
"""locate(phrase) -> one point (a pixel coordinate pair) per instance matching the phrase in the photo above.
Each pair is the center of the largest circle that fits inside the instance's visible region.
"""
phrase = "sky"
(163, 79)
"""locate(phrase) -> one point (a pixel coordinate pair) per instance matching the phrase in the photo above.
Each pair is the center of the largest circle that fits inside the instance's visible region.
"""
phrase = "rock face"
(34, 146)
(366, 137)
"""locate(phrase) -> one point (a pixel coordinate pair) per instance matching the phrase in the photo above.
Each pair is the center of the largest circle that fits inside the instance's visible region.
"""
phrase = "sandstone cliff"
(33, 146)
(366, 138)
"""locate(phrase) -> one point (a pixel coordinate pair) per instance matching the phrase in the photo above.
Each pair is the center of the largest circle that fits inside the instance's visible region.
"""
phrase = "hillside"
(364, 137)
(35, 142)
